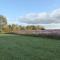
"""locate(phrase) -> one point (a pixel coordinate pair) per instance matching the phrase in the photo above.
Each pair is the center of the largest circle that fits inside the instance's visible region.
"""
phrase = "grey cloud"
(41, 18)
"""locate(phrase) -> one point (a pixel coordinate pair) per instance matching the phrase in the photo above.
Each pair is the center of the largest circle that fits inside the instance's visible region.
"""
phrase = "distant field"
(16, 47)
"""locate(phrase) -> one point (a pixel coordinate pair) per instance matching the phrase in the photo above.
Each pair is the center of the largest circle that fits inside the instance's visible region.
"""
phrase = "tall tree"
(3, 21)
(15, 28)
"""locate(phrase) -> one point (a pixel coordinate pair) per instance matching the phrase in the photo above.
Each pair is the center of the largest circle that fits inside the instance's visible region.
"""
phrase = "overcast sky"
(44, 12)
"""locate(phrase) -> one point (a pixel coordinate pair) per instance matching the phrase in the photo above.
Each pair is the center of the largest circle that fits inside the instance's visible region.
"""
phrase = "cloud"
(51, 26)
(41, 18)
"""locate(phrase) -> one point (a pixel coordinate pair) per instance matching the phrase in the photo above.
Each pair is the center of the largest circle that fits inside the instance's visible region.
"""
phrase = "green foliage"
(31, 27)
(4, 27)
(3, 21)
(22, 27)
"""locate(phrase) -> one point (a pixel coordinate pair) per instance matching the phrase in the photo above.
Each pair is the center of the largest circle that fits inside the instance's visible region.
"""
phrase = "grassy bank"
(19, 47)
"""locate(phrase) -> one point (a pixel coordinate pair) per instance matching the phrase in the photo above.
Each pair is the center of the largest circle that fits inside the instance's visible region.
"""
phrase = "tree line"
(5, 27)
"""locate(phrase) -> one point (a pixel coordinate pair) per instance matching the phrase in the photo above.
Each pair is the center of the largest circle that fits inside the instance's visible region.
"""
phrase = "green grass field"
(15, 47)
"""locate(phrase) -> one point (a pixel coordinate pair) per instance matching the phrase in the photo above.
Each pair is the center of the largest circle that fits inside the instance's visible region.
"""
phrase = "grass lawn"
(15, 47)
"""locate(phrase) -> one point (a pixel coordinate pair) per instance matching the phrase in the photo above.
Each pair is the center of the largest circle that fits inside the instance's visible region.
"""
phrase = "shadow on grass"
(53, 36)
